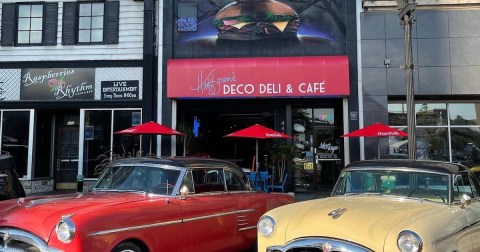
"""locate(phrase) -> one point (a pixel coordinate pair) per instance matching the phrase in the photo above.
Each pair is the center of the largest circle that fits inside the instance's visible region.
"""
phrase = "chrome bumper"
(323, 244)
(12, 240)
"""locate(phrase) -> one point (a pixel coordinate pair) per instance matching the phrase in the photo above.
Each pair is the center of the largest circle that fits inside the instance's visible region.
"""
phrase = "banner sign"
(273, 77)
(57, 84)
(120, 90)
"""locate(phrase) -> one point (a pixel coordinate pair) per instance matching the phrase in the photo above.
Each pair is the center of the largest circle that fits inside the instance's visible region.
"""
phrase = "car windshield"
(413, 184)
(139, 179)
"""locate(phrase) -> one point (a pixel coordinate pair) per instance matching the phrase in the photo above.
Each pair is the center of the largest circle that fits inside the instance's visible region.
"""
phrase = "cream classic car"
(382, 205)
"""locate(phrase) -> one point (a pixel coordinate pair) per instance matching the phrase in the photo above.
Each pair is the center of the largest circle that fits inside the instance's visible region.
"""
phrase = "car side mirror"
(466, 200)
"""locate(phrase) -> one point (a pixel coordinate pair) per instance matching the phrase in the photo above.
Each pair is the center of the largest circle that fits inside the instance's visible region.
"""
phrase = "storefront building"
(445, 39)
(67, 86)
(285, 65)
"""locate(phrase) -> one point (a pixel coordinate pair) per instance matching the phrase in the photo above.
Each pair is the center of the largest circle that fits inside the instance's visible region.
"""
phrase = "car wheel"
(127, 247)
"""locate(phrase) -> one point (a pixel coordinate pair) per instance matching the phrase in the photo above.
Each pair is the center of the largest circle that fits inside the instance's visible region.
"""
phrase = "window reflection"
(465, 142)
(431, 114)
(464, 113)
(432, 144)
(99, 136)
(397, 114)
(15, 128)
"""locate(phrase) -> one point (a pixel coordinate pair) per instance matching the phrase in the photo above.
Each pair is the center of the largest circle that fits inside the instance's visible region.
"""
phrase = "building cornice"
(389, 5)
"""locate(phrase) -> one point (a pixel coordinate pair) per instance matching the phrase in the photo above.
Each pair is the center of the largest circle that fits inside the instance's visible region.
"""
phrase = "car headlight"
(65, 230)
(266, 226)
(409, 241)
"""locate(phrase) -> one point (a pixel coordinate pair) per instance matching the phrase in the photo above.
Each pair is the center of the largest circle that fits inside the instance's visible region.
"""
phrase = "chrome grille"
(13, 240)
(319, 244)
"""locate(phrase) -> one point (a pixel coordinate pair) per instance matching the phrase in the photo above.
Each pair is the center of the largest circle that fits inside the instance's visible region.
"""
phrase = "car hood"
(46, 211)
(353, 218)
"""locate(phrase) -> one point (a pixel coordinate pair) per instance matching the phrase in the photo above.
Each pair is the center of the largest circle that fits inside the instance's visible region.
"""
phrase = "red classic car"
(144, 204)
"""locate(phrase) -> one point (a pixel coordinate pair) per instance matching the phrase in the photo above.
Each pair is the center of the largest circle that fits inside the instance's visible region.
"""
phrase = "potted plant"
(280, 153)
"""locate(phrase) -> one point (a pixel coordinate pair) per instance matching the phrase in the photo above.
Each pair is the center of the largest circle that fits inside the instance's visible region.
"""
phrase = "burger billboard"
(256, 19)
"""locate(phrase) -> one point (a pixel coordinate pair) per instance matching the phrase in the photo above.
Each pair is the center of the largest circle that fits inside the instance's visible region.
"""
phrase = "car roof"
(6, 162)
(188, 162)
(428, 165)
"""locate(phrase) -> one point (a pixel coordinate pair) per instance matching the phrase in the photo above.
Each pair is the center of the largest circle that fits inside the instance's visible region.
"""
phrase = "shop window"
(432, 144)
(90, 23)
(43, 141)
(97, 140)
(15, 132)
(431, 114)
(397, 114)
(124, 144)
(100, 141)
(465, 145)
(455, 139)
(464, 113)
(29, 24)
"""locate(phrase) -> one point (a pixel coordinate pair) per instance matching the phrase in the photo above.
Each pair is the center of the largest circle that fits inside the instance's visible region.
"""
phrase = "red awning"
(310, 76)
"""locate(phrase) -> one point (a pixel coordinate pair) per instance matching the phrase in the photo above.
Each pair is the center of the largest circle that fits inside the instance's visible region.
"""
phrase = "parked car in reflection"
(383, 205)
(476, 171)
(144, 204)
(10, 186)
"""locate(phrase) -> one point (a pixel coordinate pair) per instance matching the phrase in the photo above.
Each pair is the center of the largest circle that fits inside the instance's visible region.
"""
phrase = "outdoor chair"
(263, 185)
(253, 180)
(280, 186)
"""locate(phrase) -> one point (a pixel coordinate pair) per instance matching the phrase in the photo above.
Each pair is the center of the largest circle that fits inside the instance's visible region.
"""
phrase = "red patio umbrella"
(150, 128)
(258, 131)
(376, 130)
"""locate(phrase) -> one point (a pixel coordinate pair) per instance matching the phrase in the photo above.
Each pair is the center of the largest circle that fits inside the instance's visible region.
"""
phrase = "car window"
(208, 180)
(464, 184)
(424, 185)
(475, 186)
(234, 183)
(188, 182)
(138, 178)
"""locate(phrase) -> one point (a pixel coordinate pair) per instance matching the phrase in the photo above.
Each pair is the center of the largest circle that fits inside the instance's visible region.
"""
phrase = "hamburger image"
(256, 19)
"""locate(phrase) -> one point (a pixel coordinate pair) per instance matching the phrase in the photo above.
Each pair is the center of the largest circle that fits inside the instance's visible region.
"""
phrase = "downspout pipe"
(148, 63)
(360, 77)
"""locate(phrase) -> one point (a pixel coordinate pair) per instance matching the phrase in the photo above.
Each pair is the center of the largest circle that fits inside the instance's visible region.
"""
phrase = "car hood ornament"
(337, 212)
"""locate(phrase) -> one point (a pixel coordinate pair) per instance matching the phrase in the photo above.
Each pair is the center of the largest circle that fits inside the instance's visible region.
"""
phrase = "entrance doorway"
(207, 122)
(317, 137)
(66, 150)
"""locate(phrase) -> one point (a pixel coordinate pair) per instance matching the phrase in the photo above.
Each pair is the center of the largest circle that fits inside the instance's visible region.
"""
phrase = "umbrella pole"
(378, 147)
(256, 155)
(150, 146)
(256, 164)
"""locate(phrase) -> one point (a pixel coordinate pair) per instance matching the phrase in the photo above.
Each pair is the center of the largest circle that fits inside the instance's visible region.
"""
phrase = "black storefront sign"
(57, 84)
(120, 90)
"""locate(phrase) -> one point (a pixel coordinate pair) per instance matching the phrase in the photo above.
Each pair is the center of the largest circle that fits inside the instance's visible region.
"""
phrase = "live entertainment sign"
(120, 90)
(258, 77)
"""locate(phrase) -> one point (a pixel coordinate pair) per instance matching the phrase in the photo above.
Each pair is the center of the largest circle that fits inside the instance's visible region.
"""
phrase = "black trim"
(69, 25)
(83, 104)
(8, 24)
(112, 22)
(50, 23)
(72, 64)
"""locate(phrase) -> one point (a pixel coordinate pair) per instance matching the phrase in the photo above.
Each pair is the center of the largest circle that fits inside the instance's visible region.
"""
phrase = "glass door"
(317, 138)
(67, 151)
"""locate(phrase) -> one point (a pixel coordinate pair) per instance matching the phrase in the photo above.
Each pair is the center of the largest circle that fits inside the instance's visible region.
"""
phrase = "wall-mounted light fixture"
(386, 62)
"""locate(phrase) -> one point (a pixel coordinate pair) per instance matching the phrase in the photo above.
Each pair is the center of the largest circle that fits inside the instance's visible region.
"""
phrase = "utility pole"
(406, 9)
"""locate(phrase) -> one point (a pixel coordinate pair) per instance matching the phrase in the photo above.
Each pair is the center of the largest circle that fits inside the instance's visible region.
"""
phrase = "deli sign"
(310, 76)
